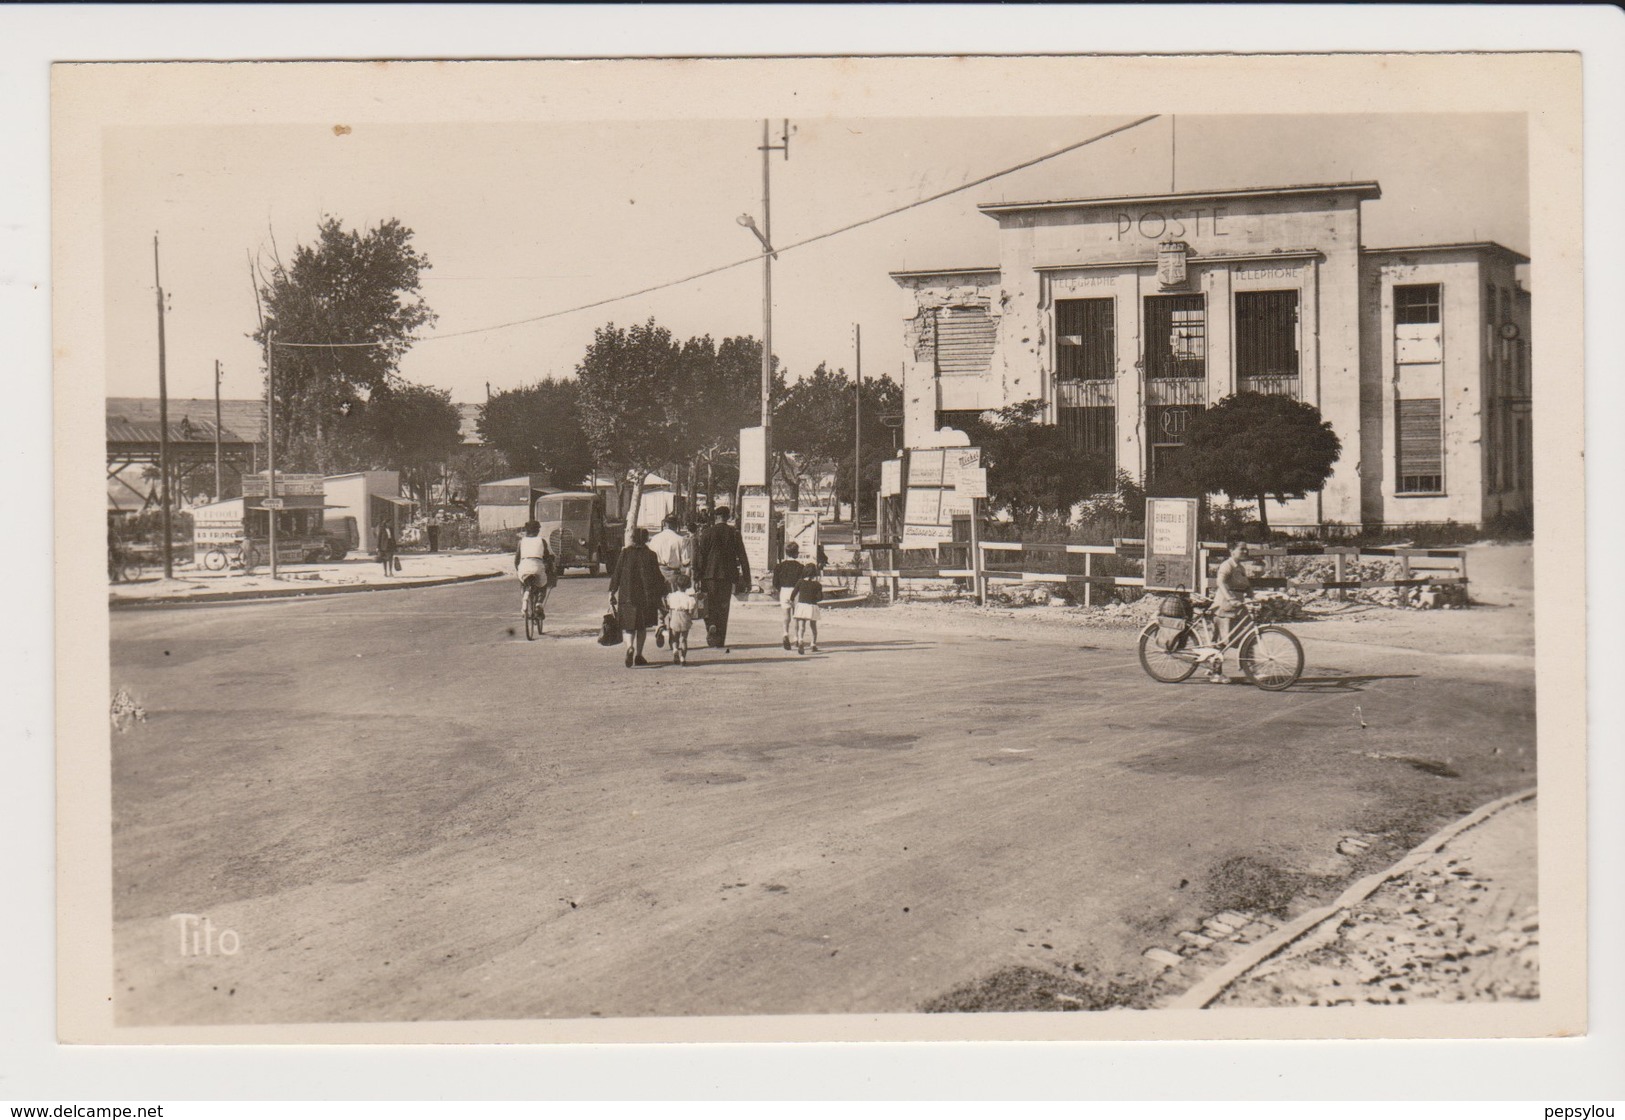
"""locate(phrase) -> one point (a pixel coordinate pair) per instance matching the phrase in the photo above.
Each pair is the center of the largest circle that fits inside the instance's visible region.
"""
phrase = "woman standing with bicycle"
(1232, 587)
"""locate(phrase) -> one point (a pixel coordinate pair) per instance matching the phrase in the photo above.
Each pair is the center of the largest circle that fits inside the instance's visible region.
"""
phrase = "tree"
(470, 466)
(812, 428)
(539, 429)
(632, 394)
(1033, 470)
(723, 384)
(1260, 446)
(413, 429)
(881, 397)
(349, 287)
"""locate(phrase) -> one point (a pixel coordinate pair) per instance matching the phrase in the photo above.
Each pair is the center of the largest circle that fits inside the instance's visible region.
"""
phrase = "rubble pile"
(1441, 934)
(1278, 607)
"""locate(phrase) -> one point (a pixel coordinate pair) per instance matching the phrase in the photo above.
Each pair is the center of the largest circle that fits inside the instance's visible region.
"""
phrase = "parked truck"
(577, 531)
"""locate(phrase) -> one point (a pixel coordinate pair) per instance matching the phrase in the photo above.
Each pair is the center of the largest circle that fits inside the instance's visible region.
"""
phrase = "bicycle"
(242, 556)
(123, 567)
(1271, 656)
(534, 608)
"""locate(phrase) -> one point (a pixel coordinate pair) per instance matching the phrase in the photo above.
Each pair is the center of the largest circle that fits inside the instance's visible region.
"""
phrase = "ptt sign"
(1157, 225)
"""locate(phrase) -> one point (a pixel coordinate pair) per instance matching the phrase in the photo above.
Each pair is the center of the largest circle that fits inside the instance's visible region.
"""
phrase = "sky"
(524, 219)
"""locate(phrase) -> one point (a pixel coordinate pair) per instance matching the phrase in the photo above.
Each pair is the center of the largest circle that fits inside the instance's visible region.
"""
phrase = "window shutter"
(1421, 439)
(964, 340)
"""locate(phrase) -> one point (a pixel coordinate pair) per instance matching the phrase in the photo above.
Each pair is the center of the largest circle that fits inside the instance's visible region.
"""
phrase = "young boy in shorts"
(786, 574)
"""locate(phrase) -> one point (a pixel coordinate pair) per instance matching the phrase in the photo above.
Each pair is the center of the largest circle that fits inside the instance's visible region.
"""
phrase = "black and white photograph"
(820, 549)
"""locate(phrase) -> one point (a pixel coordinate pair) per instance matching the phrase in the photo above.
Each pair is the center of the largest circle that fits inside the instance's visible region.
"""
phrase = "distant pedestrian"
(681, 607)
(434, 532)
(722, 568)
(786, 574)
(636, 591)
(809, 592)
(386, 548)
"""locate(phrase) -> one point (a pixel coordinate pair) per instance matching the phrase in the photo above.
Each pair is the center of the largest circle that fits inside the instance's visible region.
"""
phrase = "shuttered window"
(1267, 334)
(964, 340)
(1084, 339)
(1421, 446)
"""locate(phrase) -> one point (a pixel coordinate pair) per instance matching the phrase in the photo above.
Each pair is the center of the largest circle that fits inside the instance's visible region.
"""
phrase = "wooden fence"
(1017, 562)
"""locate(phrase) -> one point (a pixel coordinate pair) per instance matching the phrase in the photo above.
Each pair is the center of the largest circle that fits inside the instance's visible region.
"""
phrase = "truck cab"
(576, 529)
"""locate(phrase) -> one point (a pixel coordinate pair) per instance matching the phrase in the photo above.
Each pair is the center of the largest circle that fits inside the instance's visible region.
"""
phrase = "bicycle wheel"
(130, 571)
(533, 622)
(215, 560)
(1160, 664)
(1272, 658)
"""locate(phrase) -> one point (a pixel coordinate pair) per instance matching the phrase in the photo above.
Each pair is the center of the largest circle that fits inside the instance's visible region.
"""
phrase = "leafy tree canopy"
(1034, 471)
(412, 429)
(539, 429)
(350, 286)
(1260, 446)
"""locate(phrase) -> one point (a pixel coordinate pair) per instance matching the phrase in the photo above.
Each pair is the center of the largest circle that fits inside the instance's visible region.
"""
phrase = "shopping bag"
(609, 634)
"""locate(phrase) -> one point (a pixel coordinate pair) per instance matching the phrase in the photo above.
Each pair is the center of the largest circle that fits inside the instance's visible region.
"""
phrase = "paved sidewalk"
(356, 573)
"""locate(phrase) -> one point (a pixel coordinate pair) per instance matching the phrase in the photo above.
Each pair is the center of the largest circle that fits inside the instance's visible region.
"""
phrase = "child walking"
(786, 573)
(809, 591)
(681, 609)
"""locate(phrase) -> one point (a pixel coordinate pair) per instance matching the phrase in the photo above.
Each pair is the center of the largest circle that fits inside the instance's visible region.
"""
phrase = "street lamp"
(764, 234)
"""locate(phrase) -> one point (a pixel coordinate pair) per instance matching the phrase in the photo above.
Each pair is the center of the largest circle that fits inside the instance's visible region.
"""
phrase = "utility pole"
(857, 439)
(270, 422)
(765, 236)
(270, 443)
(163, 414)
(219, 491)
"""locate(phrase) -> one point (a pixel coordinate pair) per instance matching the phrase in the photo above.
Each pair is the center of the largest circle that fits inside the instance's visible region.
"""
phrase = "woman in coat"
(635, 592)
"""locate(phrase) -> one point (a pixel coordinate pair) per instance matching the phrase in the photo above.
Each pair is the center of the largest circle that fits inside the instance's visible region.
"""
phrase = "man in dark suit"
(721, 567)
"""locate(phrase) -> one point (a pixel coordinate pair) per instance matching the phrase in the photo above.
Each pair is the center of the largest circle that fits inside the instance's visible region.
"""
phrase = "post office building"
(1126, 316)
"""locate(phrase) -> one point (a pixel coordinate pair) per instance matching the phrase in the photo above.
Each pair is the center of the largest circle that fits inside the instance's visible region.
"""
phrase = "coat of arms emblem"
(1171, 271)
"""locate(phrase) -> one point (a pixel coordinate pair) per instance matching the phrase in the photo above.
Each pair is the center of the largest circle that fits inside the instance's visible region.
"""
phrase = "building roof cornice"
(1364, 189)
(1455, 246)
(928, 273)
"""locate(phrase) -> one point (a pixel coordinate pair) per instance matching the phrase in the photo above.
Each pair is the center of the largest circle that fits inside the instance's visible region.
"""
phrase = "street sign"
(1170, 545)
(272, 503)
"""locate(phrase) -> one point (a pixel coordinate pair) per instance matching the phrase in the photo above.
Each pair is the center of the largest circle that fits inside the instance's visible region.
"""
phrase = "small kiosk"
(298, 508)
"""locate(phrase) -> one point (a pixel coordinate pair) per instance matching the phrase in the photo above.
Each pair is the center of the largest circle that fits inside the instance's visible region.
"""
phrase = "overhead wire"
(755, 258)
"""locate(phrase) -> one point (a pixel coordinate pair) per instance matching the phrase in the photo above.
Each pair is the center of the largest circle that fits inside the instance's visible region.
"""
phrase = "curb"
(290, 592)
(1211, 987)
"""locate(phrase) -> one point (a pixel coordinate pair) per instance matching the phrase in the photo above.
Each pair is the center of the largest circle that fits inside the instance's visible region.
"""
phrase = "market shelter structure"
(1127, 316)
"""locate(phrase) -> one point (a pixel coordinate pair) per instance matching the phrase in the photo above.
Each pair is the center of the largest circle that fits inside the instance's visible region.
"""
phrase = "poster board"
(1170, 545)
(801, 528)
(754, 512)
(935, 496)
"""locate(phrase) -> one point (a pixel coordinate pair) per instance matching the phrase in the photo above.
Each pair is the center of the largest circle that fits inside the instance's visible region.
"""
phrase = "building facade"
(1124, 317)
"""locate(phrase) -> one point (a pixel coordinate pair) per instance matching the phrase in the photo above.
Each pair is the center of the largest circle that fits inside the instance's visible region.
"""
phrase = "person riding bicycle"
(1230, 593)
(533, 563)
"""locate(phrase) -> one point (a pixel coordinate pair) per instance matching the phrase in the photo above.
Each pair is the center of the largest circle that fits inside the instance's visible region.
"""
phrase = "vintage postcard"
(829, 549)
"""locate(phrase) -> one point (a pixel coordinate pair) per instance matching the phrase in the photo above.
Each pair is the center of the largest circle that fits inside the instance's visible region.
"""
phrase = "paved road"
(402, 810)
